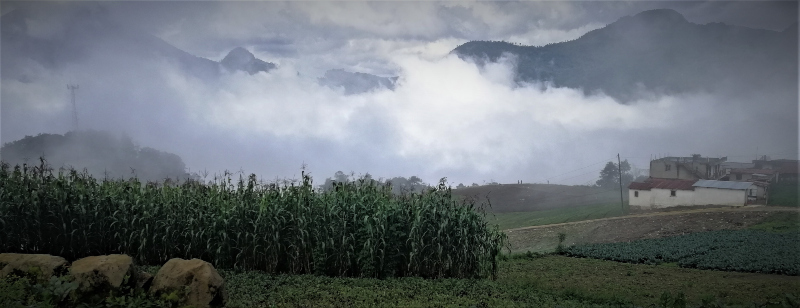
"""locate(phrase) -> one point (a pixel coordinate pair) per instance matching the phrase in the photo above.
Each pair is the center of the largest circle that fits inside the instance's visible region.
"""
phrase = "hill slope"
(657, 50)
(86, 30)
(101, 154)
(534, 197)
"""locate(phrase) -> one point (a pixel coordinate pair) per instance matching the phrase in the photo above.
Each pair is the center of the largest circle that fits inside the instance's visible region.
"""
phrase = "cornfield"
(357, 229)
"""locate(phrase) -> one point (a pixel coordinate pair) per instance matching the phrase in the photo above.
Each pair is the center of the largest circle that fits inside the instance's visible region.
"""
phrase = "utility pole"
(619, 168)
(72, 89)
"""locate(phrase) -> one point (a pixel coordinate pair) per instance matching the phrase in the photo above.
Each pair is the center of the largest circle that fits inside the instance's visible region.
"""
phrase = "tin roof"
(671, 184)
(723, 184)
(639, 186)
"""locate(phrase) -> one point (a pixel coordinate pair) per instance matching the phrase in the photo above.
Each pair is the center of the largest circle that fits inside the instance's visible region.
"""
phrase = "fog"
(446, 116)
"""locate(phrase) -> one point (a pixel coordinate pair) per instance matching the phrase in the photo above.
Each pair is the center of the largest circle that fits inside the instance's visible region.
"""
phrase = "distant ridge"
(86, 28)
(657, 50)
(243, 60)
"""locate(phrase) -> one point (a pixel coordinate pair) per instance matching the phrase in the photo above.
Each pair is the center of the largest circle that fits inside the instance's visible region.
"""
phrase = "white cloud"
(445, 112)
(447, 117)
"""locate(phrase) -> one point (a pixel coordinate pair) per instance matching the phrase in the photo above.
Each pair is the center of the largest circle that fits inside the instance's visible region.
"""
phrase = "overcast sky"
(446, 118)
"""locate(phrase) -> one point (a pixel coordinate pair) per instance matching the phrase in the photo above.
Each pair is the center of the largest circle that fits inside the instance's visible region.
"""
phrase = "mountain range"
(658, 51)
(87, 28)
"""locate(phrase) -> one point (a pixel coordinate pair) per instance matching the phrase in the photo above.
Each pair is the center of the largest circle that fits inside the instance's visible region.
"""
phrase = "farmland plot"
(357, 229)
(726, 250)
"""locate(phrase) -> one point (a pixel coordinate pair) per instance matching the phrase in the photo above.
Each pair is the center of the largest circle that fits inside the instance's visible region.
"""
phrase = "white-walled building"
(660, 193)
(723, 192)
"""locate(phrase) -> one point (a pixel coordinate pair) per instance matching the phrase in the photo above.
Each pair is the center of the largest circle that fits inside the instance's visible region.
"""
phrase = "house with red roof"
(656, 193)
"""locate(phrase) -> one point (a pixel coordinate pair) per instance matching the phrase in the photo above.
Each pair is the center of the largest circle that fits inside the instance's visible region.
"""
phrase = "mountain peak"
(659, 16)
(242, 59)
(238, 57)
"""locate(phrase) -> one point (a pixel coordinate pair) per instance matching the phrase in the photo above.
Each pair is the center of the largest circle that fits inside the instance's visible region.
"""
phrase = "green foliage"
(609, 176)
(356, 229)
(641, 285)
(14, 291)
(779, 222)
(667, 300)
(727, 250)
(784, 193)
(18, 292)
(56, 289)
(561, 238)
(555, 216)
(258, 289)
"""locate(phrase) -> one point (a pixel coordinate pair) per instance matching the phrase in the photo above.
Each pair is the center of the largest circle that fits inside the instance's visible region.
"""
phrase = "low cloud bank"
(446, 118)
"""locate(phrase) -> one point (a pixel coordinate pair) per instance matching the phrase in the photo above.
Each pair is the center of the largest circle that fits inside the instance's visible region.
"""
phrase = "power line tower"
(72, 89)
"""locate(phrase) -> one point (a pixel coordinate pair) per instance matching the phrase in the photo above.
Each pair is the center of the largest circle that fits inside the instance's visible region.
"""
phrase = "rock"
(204, 286)
(101, 272)
(41, 265)
(144, 281)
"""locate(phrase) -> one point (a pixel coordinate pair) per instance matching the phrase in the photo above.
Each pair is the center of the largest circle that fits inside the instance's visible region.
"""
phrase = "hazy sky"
(446, 118)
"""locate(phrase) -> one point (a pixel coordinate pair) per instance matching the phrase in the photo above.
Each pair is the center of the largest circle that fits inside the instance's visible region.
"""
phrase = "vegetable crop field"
(726, 250)
(357, 229)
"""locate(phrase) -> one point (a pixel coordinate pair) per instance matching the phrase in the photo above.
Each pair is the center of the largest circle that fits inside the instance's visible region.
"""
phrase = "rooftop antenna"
(72, 89)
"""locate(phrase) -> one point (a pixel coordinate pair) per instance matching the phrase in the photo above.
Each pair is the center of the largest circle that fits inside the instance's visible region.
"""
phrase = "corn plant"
(358, 228)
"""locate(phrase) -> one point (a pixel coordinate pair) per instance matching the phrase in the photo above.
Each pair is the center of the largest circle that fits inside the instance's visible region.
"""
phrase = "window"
(636, 194)
(672, 193)
(667, 167)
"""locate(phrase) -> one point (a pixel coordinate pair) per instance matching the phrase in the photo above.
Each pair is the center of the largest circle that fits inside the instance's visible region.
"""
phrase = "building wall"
(717, 196)
(658, 170)
(644, 200)
(761, 192)
(662, 198)
(685, 169)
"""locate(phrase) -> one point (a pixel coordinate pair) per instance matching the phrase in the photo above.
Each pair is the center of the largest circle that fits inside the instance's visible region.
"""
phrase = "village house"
(695, 167)
(660, 193)
(657, 193)
(785, 169)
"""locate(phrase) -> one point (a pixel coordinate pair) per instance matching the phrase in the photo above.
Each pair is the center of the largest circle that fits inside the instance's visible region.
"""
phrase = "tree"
(460, 186)
(609, 176)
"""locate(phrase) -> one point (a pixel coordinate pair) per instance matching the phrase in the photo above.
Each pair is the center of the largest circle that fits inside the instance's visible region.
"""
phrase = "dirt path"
(638, 226)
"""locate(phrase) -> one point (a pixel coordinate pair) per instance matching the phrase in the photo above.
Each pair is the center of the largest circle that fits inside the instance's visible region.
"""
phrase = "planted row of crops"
(727, 250)
(356, 229)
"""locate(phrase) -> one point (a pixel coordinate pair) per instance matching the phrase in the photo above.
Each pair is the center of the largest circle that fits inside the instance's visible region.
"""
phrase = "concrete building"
(660, 193)
(695, 167)
(785, 169)
(709, 192)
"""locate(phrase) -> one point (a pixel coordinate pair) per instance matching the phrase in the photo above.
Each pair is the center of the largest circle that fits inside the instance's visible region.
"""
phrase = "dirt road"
(638, 226)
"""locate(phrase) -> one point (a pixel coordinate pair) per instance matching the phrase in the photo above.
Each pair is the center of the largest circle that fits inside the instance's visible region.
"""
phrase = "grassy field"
(554, 216)
(523, 281)
(507, 198)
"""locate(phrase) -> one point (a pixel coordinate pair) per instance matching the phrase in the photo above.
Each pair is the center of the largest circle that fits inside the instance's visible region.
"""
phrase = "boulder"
(144, 280)
(198, 282)
(39, 265)
(102, 272)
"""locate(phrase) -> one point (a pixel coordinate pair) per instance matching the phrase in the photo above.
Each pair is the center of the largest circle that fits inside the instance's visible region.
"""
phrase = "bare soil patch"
(638, 226)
